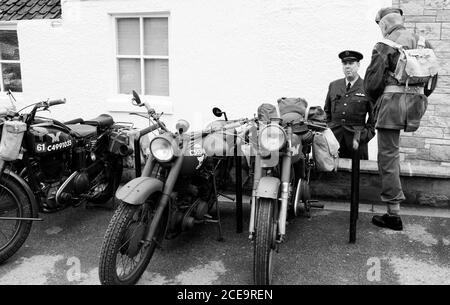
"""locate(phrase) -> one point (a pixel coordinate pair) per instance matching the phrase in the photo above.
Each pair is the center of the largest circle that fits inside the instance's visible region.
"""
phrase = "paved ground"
(64, 249)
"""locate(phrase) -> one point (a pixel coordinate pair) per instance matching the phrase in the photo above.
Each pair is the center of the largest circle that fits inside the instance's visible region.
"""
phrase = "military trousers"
(345, 139)
(389, 168)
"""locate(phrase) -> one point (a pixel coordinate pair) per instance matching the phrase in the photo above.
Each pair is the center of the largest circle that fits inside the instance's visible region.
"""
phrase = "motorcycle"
(47, 166)
(176, 191)
(281, 171)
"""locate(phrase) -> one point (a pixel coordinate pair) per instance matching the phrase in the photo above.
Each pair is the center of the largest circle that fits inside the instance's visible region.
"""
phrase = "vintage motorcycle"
(176, 191)
(281, 172)
(47, 166)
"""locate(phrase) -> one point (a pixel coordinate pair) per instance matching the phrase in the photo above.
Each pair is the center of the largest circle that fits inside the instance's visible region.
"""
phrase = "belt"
(404, 89)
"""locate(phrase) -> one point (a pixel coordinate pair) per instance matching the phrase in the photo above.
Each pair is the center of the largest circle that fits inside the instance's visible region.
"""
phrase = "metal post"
(354, 204)
(137, 156)
(238, 167)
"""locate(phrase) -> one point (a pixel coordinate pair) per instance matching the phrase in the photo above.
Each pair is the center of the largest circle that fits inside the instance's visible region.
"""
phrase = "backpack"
(326, 151)
(266, 112)
(414, 66)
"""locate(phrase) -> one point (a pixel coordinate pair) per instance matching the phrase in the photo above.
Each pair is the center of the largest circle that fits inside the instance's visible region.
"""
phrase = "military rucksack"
(414, 66)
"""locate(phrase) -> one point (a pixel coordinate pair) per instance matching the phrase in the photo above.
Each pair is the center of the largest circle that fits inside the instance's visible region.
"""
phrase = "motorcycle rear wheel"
(125, 232)
(13, 203)
(264, 244)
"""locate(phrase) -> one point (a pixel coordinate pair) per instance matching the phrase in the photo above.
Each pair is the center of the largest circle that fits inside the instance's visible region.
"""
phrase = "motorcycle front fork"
(285, 194)
(165, 197)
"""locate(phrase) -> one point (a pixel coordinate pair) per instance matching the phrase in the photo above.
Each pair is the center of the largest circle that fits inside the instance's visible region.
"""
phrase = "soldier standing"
(347, 106)
(398, 106)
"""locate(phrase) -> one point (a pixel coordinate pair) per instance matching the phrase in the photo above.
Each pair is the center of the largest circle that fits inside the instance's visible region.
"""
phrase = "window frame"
(10, 26)
(142, 57)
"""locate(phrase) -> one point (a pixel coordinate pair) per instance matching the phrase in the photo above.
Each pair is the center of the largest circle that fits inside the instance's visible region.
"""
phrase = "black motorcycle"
(46, 166)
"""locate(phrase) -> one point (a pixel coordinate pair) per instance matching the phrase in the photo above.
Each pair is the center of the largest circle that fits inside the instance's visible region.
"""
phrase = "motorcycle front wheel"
(124, 255)
(264, 244)
(14, 203)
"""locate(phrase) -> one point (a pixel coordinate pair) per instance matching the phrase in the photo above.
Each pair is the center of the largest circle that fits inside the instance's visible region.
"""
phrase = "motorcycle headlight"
(272, 138)
(162, 149)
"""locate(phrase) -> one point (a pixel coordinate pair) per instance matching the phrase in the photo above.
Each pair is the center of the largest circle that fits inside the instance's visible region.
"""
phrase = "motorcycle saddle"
(103, 120)
(83, 131)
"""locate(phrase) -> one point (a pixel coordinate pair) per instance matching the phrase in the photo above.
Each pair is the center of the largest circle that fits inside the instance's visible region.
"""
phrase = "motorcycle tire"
(114, 178)
(20, 201)
(119, 229)
(264, 244)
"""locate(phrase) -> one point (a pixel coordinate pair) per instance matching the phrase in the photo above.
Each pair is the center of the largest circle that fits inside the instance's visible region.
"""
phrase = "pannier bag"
(326, 151)
(415, 66)
(12, 135)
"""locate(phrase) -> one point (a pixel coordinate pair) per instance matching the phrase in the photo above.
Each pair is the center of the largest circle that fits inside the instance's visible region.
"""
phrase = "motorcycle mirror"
(136, 98)
(182, 126)
(218, 113)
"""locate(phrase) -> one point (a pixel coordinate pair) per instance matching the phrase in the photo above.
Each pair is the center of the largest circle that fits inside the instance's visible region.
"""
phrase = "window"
(143, 55)
(10, 61)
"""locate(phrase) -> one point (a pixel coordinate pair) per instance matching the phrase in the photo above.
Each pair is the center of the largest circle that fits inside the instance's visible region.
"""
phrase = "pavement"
(64, 249)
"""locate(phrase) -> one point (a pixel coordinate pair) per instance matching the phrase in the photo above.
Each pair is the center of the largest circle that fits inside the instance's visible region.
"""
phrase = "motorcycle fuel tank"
(49, 139)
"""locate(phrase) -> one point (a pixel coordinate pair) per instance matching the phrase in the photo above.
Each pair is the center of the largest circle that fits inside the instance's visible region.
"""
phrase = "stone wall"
(430, 145)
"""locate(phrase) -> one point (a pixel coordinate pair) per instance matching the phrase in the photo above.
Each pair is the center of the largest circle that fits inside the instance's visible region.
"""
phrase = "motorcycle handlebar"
(56, 102)
(236, 124)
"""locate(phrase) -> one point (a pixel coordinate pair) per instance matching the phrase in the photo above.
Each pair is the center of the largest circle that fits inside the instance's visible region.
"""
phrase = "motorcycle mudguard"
(268, 187)
(139, 189)
(27, 190)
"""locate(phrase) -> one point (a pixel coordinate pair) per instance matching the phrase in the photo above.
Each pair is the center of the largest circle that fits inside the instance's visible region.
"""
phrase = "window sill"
(122, 103)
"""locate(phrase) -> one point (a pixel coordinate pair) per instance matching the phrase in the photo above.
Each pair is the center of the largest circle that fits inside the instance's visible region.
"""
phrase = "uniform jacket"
(394, 110)
(349, 109)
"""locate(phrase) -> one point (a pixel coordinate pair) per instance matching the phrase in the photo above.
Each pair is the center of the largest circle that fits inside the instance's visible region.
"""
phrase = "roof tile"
(29, 9)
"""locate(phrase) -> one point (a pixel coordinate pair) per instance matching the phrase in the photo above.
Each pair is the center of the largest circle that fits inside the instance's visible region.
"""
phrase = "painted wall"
(233, 54)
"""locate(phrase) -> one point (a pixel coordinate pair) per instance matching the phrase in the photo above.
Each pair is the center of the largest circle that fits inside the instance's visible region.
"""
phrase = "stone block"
(443, 15)
(429, 30)
(420, 154)
(408, 151)
(412, 7)
(427, 12)
(443, 85)
(433, 200)
(412, 142)
(444, 66)
(445, 31)
(437, 141)
(437, 4)
(441, 45)
(443, 110)
(430, 132)
(440, 153)
(436, 121)
(418, 19)
(438, 99)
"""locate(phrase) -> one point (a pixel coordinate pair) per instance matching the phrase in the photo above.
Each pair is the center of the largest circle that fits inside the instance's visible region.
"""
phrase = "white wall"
(233, 54)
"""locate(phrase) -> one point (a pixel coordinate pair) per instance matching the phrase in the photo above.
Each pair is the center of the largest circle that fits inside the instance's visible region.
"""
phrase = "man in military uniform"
(397, 107)
(347, 106)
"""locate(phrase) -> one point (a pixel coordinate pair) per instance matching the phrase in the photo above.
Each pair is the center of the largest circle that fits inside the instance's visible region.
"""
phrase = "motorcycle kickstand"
(219, 223)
